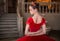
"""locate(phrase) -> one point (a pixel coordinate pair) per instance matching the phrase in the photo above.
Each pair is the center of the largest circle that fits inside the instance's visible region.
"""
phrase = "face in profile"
(32, 11)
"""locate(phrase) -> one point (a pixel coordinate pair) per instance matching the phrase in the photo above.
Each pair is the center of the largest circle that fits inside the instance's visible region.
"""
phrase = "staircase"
(8, 25)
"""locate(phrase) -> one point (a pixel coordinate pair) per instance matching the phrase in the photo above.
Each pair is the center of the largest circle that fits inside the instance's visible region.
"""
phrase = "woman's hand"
(39, 32)
(33, 33)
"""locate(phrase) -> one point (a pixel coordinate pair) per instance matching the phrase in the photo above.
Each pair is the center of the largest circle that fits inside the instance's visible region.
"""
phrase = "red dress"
(34, 27)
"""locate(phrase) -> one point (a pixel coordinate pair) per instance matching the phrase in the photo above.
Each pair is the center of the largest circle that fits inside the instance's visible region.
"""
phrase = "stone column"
(20, 18)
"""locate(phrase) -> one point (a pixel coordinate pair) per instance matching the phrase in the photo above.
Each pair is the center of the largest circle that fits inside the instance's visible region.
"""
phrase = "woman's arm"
(27, 30)
(28, 33)
(39, 32)
(43, 30)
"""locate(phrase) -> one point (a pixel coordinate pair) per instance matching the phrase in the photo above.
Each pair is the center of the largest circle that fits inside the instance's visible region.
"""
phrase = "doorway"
(12, 6)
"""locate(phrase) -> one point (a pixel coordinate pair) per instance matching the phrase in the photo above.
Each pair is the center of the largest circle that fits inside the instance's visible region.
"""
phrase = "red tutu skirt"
(35, 38)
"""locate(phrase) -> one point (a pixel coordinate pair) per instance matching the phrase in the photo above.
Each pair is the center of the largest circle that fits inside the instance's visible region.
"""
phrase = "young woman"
(35, 26)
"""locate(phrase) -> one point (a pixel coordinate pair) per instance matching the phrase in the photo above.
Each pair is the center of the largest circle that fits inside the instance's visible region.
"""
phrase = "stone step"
(9, 29)
(4, 20)
(8, 23)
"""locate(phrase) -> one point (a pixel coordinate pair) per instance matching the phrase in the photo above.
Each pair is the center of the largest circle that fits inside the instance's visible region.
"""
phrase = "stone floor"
(8, 39)
(54, 34)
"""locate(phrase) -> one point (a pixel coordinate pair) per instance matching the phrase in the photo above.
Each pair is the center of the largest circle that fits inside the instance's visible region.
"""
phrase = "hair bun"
(33, 4)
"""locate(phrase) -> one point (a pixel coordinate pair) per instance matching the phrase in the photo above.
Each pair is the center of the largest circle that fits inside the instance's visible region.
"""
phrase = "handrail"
(18, 13)
(52, 7)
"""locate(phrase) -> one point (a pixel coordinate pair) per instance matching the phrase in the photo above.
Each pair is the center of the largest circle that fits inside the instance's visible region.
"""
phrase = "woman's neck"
(36, 14)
